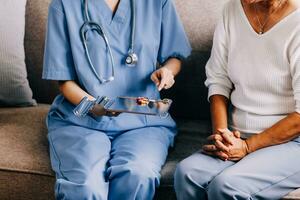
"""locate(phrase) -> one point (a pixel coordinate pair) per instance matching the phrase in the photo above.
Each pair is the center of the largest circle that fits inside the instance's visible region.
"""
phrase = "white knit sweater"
(260, 74)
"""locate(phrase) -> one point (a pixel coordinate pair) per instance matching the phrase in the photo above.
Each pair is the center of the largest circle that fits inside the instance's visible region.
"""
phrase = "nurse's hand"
(98, 110)
(112, 114)
(163, 78)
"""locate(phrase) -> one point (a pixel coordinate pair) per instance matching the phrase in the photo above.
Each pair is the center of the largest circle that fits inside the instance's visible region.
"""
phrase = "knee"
(190, 181)
(84, 190)
(135, 175)
(88, 191)
(219, 185)
(227, 185)
(182, 175)
(143, 174)
(133, 181)
(187, 173)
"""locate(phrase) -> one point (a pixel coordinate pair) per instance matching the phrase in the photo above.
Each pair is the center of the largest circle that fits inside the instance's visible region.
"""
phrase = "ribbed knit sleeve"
(294, 61)
(217, 80)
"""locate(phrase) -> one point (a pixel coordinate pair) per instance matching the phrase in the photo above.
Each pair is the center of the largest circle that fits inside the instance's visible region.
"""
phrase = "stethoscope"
(89, 25)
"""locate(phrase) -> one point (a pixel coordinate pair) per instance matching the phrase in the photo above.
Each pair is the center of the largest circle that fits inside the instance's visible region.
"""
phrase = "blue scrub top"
(159, 36)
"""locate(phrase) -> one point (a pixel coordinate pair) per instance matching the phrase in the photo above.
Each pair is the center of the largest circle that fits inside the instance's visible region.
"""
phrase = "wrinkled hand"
(163, 78)
(218, 144)
(226, 145)
(237, 150)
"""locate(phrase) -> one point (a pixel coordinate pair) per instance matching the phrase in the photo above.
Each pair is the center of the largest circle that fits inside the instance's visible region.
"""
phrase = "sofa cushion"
(15, 90)
(19, 185)
(23, 144)
(25, 171)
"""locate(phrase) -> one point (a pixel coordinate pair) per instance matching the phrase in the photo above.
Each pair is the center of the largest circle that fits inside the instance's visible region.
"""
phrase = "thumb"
(224, 130)
(237, 134)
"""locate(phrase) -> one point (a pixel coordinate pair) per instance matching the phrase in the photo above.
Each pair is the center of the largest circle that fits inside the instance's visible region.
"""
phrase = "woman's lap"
(270, 172)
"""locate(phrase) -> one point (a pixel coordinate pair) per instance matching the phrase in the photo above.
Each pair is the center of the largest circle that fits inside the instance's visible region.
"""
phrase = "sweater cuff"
(218, 90)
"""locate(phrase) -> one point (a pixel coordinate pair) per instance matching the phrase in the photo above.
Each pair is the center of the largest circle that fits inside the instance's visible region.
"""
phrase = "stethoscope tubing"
(133, 24)
(100, 30)
(83, 35)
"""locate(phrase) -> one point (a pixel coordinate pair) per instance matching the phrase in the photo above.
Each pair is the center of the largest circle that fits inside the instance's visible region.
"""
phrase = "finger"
(217, 154)
(209, 153)
(221, 146)
(112, 113)
(234, 159)
(237, 134)
(170, 83)
(162, 84)
(155, 78)
(116, 114)
(108, 113)
(215, 137)
(227, 137)
(209, 148)
(167, 86)
(225, 130)
(222, 155)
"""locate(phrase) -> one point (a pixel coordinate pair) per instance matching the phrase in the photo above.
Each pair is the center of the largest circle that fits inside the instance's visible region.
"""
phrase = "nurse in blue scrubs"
(110, 157)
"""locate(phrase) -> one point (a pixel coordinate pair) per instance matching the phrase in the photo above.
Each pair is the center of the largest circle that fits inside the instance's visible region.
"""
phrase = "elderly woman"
(255, 65)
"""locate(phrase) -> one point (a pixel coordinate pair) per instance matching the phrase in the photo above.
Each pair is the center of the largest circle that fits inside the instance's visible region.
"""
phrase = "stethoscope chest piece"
(132, 60)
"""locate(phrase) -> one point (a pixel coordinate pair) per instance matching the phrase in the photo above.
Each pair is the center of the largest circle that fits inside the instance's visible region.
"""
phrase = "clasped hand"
(226, 145)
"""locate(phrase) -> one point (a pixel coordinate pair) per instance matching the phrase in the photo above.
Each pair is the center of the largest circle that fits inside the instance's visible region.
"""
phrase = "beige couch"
(25, 171)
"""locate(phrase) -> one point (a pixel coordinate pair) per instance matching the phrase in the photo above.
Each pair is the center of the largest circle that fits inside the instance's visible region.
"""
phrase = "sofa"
(25, 171)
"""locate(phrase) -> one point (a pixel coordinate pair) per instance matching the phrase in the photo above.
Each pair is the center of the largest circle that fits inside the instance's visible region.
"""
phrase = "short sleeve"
(294, 61)
(174, 42)
(58, 60)
(217, 80)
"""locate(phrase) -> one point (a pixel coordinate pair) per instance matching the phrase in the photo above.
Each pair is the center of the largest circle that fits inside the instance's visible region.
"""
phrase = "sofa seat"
(25, 171)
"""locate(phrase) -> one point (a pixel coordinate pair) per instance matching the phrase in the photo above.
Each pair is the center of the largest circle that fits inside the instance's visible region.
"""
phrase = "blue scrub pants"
(269, 173)
(93, 165)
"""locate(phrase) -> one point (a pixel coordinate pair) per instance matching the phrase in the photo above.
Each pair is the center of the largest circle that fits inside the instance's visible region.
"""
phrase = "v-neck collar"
(117, 16)
(269, 31)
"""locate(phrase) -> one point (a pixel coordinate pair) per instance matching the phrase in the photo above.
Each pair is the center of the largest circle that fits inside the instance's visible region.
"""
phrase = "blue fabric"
(159, 35)
(95, 157)
(90, 164)
(269, 173)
